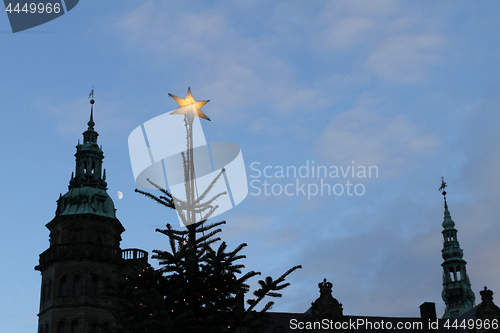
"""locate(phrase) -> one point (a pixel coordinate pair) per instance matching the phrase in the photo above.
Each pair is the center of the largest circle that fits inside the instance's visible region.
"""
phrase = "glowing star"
(189, 106)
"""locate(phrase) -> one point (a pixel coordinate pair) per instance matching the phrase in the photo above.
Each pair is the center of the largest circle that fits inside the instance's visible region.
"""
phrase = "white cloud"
(71, 116)
(371, 138)
(156, 26)
(345, 33)
(394, 42)
(406, 57)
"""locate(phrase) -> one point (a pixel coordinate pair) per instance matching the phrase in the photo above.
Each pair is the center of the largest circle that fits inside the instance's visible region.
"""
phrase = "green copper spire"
(90, 136)
(448, 222)
(87, 187)
(89, 158)
(457, 293)
(91, 121)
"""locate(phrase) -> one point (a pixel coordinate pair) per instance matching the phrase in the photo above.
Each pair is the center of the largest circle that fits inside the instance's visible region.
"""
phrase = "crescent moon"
(120, 195)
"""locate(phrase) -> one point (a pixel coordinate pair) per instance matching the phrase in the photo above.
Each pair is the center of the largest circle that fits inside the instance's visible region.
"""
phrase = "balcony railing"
(91, 251)
(134, 254)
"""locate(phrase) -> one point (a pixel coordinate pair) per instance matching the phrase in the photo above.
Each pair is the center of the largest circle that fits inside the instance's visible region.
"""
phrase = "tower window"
(63, 287)
(74, 326)
(76, 285)
(60, 327)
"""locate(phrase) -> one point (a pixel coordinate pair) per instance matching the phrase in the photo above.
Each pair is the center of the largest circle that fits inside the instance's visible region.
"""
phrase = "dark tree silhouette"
(200, 285)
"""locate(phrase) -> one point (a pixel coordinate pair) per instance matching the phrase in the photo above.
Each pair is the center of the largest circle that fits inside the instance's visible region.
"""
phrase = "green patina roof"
(87, 187)
(86, 200)
(457, 293)
(448, 222)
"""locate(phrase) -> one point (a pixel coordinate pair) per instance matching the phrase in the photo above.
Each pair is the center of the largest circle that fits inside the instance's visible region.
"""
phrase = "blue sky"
(409, 87)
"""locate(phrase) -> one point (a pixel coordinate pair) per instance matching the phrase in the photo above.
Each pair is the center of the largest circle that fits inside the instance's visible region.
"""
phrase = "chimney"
(428, 310)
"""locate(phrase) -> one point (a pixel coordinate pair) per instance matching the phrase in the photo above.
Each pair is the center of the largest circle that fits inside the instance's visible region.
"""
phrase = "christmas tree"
(200, 285)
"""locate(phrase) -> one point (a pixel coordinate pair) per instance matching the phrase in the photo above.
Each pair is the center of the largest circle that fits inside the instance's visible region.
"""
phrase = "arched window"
(76, 285)
(93, 286)
(74, 326)
(60, 327)
(63, 287)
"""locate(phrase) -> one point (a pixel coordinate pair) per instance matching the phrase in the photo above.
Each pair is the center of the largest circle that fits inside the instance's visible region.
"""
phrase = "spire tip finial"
(91, 121)
(442, 188)
(92, 95)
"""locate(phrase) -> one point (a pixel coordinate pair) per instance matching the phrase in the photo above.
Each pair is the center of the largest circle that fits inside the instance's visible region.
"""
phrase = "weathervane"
(91, 95)
(442, 188)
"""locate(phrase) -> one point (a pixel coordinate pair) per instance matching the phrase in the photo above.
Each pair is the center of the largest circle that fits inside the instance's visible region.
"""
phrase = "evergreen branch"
(207, 236)
(248, 276)
(232, 255)
(204, 228)
(180, 211)
(209, 187)
(155, 198)
(269, 286)
(213, 240)
(221, 249)
(210, 212)
(282, 278)
(164, 191)
(267, 307)
(205, 204)
(177, 234)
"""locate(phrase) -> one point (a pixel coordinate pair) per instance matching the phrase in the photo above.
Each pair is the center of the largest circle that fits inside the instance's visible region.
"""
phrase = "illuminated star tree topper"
(189, 106)
(193, 205)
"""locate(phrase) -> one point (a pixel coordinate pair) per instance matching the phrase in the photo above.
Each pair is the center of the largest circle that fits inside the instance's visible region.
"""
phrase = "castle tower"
(84, 258)
(457, 293)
